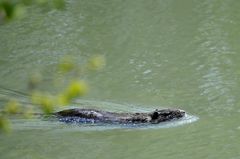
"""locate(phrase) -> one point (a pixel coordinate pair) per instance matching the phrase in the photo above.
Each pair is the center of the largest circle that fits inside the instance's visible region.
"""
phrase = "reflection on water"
(182, 54)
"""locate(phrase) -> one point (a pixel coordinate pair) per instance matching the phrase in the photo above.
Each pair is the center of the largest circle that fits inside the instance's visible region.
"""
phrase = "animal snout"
(182, 112)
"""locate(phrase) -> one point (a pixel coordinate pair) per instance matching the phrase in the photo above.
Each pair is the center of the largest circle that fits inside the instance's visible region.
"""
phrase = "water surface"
(182, 54)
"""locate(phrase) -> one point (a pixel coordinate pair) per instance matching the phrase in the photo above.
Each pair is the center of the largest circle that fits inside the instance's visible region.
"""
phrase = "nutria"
(94, 116)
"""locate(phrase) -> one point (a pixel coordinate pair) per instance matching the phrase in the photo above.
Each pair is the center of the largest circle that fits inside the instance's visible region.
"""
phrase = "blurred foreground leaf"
(97, 62)
(46, 102)
(5, 124)
(76, 89)
(66, 64)
(12, 9)
(7, 8)
(71, 89)
(27, 2)
(12, 107)
(59, 4)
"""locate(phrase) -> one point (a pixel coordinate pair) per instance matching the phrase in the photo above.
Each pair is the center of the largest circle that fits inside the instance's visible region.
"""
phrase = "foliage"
(12, 9)
(47, 102)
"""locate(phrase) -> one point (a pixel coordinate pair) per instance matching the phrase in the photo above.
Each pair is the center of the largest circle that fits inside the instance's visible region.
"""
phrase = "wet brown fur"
(154, 117)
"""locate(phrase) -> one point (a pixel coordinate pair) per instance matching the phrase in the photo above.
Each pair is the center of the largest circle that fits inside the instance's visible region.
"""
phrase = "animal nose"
(182, 112)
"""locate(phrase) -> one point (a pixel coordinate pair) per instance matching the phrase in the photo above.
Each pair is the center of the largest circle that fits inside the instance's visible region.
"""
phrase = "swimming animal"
(100, 116)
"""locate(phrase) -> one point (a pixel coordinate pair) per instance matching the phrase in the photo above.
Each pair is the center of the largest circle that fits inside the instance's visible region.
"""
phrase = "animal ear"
(154, 115)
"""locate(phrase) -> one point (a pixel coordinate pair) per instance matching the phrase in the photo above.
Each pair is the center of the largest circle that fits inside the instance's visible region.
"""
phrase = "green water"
(159, 53)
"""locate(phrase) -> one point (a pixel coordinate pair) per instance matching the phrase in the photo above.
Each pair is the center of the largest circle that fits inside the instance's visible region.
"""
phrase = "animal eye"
(155, 115)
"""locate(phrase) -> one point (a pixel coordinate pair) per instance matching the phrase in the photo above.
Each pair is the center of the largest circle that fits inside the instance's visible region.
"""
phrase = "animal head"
(166, 114)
